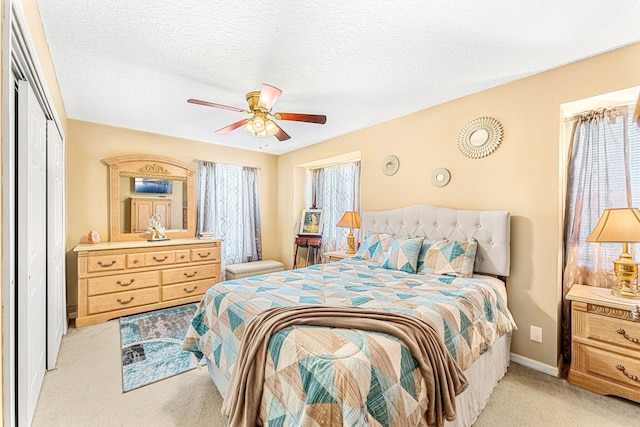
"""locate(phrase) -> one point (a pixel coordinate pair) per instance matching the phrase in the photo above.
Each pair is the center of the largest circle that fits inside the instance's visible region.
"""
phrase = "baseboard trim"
(534, 364)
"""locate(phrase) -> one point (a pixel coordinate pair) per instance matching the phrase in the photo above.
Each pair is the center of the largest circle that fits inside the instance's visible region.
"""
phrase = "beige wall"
(87, 180)
(523, 176)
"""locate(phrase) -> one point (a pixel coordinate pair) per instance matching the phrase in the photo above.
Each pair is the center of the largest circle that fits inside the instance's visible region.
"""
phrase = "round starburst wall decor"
(480, 137)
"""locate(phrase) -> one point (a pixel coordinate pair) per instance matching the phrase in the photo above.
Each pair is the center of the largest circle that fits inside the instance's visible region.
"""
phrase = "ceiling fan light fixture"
(261, 126)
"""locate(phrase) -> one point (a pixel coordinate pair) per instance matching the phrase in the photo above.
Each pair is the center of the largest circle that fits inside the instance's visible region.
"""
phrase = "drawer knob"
(181, 256)
(105, 265)
(125, 302)
(191, 275)
(627, 337)
(125, 284)
(190, 291)
(160, 260)
(135, 261)
(622, 369)
(205, 255)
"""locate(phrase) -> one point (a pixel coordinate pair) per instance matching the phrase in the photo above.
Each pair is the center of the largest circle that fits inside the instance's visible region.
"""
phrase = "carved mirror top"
(123, 170)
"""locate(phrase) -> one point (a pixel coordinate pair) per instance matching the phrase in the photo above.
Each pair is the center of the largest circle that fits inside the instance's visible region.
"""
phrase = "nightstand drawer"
(613, 331)
(616, 367)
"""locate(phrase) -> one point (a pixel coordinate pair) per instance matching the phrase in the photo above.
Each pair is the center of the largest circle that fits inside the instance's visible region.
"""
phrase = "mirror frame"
(148, 166)
(494, 137)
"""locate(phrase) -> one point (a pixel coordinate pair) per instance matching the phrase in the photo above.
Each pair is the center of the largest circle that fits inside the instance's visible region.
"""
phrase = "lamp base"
(625, 291)
(350, 241)
(626, 270)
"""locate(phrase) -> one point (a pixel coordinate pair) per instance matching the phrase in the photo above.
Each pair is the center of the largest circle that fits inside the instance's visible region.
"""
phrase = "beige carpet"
(86, 390)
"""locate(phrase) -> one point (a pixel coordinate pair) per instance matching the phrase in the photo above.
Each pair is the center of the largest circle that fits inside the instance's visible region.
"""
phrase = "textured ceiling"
(133, 64)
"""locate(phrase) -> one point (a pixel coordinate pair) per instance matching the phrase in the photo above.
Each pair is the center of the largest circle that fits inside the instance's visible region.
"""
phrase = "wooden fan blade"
(211, 104)
(281, 135)
(309, 118)
(268, 96)
(232, 126)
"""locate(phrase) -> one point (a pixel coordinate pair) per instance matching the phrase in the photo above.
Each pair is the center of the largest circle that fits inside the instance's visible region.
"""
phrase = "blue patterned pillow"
(453, 258)
(403, 255)
(422, 257)
(450, 257)
(375, 247)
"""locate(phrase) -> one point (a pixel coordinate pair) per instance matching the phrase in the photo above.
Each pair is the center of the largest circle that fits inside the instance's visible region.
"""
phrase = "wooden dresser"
(605, 348)
(121, 278)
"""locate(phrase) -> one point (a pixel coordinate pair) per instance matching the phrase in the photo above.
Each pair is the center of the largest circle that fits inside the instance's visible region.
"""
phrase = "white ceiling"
(133, 64)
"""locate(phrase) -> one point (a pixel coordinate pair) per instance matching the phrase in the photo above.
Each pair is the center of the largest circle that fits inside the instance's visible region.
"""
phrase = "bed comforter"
(334, 376)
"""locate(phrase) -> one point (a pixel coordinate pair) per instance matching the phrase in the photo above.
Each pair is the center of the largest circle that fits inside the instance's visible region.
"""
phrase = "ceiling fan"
(260, 123)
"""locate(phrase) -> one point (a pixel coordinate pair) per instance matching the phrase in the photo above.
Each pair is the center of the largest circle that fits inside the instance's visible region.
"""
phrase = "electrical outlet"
(535, 334)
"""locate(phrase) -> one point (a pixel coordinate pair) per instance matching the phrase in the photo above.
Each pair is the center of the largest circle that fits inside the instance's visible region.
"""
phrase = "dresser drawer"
(99, 263)
(613, 366)
(182, 256)
(183, 290)
(186, 274)
(122, 282)
(160, 258)
(613, 331)
(206, 254)
(120, 300)
(135, 260)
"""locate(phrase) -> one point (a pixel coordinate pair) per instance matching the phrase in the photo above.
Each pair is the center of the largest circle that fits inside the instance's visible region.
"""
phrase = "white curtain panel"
(336, 189)
(228, 206)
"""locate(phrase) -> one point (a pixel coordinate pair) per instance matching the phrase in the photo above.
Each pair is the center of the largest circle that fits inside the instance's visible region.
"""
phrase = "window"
(229, 208)
(336, 189)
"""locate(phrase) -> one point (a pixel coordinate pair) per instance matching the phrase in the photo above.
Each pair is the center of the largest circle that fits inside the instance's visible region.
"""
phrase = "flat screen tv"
(153, 186)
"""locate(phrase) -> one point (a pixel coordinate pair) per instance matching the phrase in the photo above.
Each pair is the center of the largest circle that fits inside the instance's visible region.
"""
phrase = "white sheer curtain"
(336, 189)
(228, 206)
(598, 178)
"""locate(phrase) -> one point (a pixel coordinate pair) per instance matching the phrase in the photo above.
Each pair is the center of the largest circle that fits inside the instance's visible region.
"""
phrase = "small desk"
(332, 256)
(313, 243)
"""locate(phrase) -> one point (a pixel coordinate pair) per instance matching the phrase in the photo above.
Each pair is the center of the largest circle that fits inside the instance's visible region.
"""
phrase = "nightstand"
(332, 256)
(605, 349)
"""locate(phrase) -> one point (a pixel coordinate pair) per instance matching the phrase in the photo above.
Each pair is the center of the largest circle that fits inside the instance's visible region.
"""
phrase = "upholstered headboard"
(490, 228)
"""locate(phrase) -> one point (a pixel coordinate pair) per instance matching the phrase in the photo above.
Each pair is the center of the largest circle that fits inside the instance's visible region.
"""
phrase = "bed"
(316, 375)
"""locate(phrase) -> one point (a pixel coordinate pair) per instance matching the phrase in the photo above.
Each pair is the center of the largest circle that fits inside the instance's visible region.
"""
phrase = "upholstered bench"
(254, 268)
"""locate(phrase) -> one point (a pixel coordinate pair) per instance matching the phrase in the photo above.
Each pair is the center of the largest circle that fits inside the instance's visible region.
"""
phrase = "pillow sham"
(375, 247)
(422, 256)
(403, 255)
(452, 258)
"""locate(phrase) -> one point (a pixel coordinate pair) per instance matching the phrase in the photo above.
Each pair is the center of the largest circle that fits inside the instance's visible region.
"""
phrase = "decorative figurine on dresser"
(161, 267)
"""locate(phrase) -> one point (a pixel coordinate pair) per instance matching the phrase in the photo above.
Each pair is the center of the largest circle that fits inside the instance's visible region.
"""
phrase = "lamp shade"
(350, 219)
(619, 225)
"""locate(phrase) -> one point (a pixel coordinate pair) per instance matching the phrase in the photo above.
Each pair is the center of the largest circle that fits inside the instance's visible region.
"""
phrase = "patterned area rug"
(152, 345)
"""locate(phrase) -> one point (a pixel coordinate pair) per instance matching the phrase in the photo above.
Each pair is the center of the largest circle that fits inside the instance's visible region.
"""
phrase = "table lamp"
(620, 225)
(350, 220)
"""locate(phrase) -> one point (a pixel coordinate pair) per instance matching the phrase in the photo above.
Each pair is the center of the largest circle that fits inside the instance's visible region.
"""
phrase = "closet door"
(32, 254)
(56, 288)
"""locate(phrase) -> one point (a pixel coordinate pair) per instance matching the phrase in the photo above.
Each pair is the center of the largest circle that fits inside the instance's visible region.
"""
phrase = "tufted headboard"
(490, 228)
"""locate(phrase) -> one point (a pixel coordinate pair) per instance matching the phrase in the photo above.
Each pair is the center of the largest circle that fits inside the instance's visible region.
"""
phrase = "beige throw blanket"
(442, 375)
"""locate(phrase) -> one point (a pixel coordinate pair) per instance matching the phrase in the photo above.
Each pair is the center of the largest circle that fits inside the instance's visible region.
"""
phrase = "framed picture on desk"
(311, 221)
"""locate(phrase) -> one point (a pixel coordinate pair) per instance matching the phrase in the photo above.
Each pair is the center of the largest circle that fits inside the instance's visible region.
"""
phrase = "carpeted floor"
(152, 345)
(85, 390)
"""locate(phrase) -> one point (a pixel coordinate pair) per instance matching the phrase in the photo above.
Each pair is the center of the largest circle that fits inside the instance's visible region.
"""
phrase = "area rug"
(152, 346)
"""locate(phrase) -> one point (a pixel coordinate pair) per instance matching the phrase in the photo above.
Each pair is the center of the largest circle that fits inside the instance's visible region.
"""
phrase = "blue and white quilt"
(332, 376)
